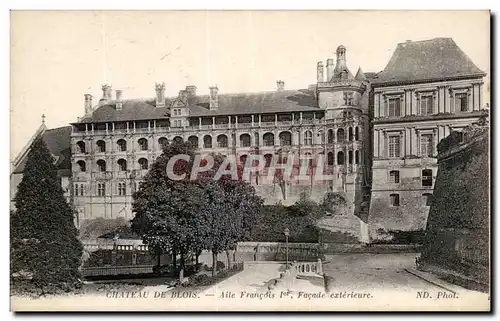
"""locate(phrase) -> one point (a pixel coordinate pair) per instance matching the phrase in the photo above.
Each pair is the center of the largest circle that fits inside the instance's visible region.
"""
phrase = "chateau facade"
(376, 132)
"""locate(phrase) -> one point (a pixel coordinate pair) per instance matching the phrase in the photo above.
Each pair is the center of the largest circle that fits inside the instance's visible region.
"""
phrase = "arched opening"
(222, 141)
(143, 163)
(178, 139)
(330, 158)
(330, 136)
(101, 164)
(350, 157)
(143, 144)
(356, 157)
(122, 164)
(81, 146)
(82, 166)
(122, 145)
(308, 138)
(308, 159)
(268, 139)
(285, 138)
(162, 142)
(269, 159)
(193, 140)
(101, 146)
(356, 133)
(243, 159)
(245, 140)
(207, 141)
(340, 135)
(340, 158)
(351, 135)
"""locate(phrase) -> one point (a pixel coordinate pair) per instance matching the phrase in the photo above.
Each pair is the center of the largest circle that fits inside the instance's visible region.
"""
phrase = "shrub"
(220, 266)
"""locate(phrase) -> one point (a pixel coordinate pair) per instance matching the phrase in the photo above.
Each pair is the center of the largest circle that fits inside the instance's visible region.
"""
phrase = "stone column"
(236, 121)
(480, 92)
(213, 122)
(470, 98)
(451, 100)
(260, 119)
(253, 120)
(413, 138)
(383, 145)
(376, 143)
(414, 102)
(199, 122)
(476, 94)
(376, 111)
(407, 142)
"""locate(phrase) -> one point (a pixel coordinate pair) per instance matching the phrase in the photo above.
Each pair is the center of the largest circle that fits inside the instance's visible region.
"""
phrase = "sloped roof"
(434, 59)
(59, 144)
(229, 104)
(360, 75)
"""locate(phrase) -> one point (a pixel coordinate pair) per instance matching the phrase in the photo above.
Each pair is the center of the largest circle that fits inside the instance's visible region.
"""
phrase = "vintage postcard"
(250, 161)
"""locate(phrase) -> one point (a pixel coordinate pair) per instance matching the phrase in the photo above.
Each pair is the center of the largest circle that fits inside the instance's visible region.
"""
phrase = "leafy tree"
(44, 241)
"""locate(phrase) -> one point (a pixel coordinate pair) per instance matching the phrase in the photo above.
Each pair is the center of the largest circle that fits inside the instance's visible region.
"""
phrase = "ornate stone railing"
(308, 268)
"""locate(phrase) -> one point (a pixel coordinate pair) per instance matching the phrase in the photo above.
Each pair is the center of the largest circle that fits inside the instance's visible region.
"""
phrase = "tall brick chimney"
(106, 92)
(160, 94)
(214, 98)
(88, 104)
(183, 95)
(319, 73)
(280, 85)
(119, 101)
(191, 91)
(330, 67)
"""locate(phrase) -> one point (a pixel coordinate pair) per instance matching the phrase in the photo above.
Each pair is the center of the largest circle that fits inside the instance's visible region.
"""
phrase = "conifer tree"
(44, 243)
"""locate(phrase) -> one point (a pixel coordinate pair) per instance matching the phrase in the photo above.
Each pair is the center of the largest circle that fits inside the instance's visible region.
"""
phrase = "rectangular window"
(394, 198)
(394, 146)
(394, 107)
(394, 177)
(122, 189)
(426, 105)
(426, 145)
(101, 189)
(427, 177)
(461, 102)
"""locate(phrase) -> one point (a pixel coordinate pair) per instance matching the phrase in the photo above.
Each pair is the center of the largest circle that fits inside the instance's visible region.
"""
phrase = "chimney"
(191, 91)
(119, 101)
(320, 70)
(341, 60)
(160, 94)
(280, 84)
(214, 98)
(106, 92)
(329, 69)
(88, 104)
(183, 94)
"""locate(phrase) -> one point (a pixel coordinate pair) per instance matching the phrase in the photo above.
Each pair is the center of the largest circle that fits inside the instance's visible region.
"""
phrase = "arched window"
(102, 165)
(82, 166)
(245, 140)
(193, 140)
(162, 142)
(285, 138)
(340, 135)
(350, 157)
(330, 158)
(330, 136)
(356, 133)
(101, 189)
(178, 139)
(207, 141)
(268, 139)
(81, 146)
(143, 163)
(122, 145)
(308, 138)
(340, 158)
(268, 158)
(243, 159)
(309, 159)
(222, 141)
(143, 144)
(351, 135)
(101, 146)
(122, 164)
(356, 157)
(427, 177)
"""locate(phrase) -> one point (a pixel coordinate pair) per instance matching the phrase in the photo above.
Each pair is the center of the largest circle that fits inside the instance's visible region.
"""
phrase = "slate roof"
(229, 104)
(59, 144)
(428, 60)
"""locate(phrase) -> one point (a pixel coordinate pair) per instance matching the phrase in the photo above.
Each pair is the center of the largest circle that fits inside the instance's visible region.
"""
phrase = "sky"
(58, 56)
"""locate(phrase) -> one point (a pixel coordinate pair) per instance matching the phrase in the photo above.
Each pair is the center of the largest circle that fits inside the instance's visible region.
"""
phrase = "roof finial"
(43, 118)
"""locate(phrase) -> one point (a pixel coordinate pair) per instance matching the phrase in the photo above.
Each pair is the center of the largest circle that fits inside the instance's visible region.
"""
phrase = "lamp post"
(287, 232)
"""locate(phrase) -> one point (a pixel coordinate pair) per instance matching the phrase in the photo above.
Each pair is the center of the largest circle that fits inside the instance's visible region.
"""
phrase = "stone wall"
(458, 228)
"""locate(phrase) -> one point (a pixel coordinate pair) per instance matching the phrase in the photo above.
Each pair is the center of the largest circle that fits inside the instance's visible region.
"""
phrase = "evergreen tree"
(44, 243)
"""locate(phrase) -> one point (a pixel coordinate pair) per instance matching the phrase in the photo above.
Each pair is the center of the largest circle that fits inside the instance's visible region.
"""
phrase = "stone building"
(363, 128)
